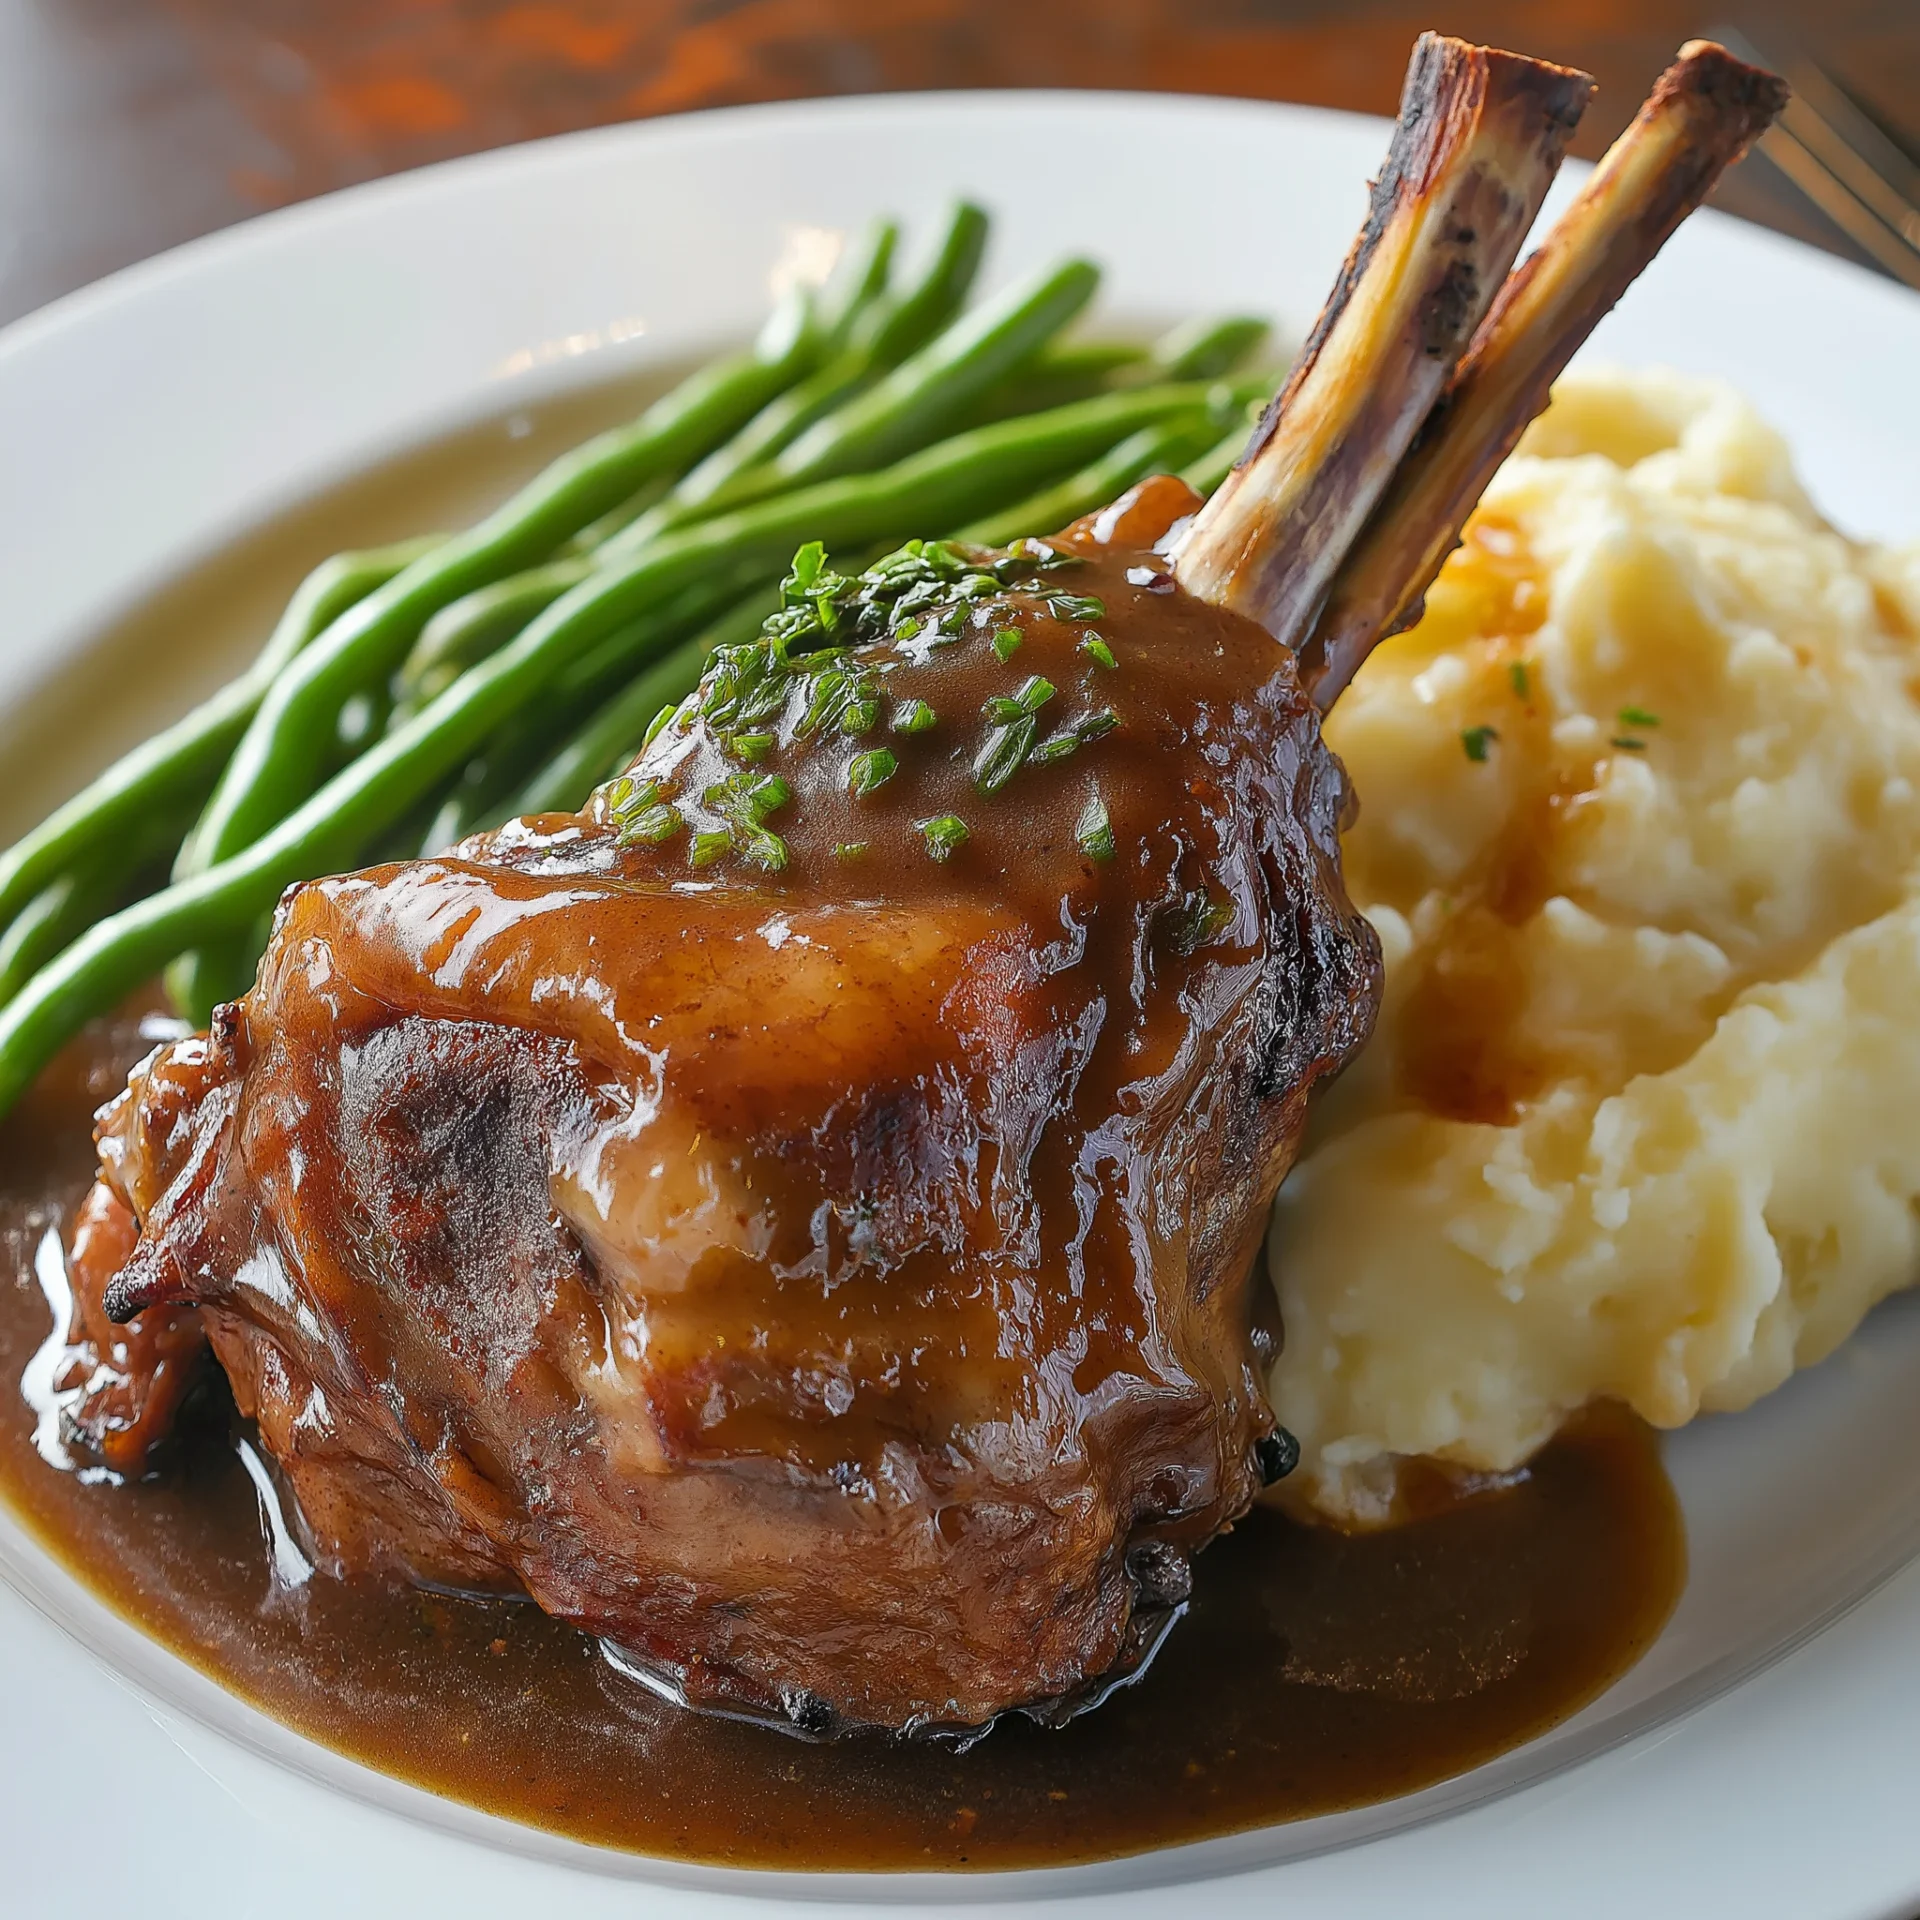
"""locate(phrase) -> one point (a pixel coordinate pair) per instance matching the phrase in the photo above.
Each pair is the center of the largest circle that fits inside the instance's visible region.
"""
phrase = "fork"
(1842, 162)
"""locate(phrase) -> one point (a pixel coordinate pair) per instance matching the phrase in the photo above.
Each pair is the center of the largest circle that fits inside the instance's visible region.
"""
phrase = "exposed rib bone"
(1699, 119)
(1479, 139)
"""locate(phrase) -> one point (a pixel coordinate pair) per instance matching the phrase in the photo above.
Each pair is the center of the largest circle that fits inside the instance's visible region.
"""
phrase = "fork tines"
(1844, 164)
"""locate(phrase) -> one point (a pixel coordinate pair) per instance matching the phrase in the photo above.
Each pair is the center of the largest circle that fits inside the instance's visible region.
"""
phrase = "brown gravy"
(1315, 1672)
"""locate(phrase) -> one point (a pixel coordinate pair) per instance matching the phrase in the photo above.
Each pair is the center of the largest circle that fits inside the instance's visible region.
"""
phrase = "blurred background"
(127, 126)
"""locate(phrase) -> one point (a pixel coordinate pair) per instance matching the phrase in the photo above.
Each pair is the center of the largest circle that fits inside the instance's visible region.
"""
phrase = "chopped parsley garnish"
(1638, 717)
(1075, 606)
(1195, 921)
(651, 827)
(625, 796)
(764, 849)
(1028, 698)
(1077, 731)
(945, 835)
(1476, 740)
(765, 795)
(708, 845)
(865, 771)
(1095, 830)
(1517, 674)
(1628, 743)
(819, 670)
(828, 695)
(640, 816)
(1004, 753)
(743, 801)
(926, 584)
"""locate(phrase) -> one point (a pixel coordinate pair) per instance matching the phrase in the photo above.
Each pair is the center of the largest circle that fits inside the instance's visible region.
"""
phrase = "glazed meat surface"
(829, 1282)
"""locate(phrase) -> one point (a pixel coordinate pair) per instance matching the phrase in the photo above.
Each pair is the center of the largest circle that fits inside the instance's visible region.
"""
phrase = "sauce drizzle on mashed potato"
(1641, 1120)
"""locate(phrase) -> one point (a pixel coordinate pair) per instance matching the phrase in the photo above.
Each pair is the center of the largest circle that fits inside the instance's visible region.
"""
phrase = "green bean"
(922, 396)
(56, 917)
(620, 609)
(177, 768)
(52, 920)
(858, 284)
(1153, 449)
(942, 486)
(1096, 361)
(1162, 446)
(596, 669)
(333, 587)
(402, 837)
(588, 679)
(199, 980)
(1056, 376)
(767, 434)
(222, 969)
(475, 797)
(1206, 473)
(960, 363)
(475, 625)
(445, 829)
(284, 749)
(583, 684)
(202, 978)
(1067, 370)
(856, 297)
(480, 623)
(595, 752)
(894, 328)
(893, 331)
(480, 797)
(1206, 349)
(596, 533)
(1075, 370)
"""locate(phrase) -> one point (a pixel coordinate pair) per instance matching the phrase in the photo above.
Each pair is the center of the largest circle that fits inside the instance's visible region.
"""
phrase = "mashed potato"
(1639, 829)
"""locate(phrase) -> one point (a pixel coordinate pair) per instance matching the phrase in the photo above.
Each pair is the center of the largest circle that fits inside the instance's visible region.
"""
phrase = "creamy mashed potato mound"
(1640, 831)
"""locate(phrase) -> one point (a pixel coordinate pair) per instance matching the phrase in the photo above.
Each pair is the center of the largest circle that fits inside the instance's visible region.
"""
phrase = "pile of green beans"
(414, 694)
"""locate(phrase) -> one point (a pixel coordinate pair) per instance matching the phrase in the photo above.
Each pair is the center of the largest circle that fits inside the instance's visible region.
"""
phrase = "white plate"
(151, 419)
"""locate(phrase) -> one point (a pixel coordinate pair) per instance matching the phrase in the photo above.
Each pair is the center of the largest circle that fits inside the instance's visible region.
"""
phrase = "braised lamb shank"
(797, 1218)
